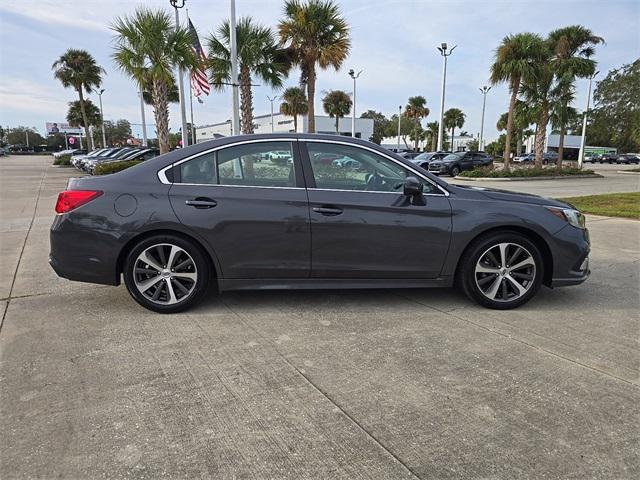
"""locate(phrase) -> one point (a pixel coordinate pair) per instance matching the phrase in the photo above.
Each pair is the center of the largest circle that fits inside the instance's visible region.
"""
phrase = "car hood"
(504, 195)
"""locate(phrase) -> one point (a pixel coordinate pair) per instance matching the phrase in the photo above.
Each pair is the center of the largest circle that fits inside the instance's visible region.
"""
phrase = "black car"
(609, 158)
(454, 163)
(424, 158)
(409, 155)
(629, 158)
(211, 215)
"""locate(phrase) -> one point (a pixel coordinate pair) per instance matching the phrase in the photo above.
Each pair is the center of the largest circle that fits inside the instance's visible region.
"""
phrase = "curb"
(522, 179)
(627, 172)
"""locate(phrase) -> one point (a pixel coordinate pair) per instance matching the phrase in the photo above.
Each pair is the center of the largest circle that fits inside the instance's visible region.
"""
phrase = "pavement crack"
(322, 392)
(530, 345)
(24, 244)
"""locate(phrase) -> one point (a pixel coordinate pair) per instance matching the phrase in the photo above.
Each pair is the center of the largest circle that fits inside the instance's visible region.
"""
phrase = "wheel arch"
(215, 271)
(532, 235)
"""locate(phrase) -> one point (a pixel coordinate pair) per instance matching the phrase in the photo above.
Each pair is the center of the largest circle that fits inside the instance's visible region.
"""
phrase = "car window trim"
(313, 140)
(162, 175)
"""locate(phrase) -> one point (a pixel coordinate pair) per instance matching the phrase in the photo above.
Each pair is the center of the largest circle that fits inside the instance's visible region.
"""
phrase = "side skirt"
(329, 283)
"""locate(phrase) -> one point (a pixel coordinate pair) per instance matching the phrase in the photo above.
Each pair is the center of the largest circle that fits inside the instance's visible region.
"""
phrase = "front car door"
(249, 203)
(362, 226)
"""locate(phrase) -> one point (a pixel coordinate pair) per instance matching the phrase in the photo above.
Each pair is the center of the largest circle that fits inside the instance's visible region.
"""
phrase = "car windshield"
(424, 156)
(452, 157)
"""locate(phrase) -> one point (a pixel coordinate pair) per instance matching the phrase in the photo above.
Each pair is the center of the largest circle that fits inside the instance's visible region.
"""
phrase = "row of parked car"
(88, 162)
(448, 163)
(626, 158)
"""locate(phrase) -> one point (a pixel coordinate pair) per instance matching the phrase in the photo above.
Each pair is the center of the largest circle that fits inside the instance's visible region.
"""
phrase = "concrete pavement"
(346, 384)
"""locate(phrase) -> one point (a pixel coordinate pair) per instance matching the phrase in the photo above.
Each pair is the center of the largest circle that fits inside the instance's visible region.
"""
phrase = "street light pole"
(399, 115)
(176, 4)
(104, 135)
(355, 76)
(235, 118)
(584, 124)
(271, 100)
(443, 51)
(144, 122)
(484, 91)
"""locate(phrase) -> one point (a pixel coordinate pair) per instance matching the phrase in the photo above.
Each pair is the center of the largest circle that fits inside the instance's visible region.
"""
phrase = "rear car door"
(249, 203)
(362, 226)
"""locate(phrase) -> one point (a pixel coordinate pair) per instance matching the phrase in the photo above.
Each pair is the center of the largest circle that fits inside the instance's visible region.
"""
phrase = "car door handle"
(201, 203)
(329, 211)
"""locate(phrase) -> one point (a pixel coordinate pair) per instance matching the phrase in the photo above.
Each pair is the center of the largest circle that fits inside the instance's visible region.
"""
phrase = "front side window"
(260, 164)
(343, 167)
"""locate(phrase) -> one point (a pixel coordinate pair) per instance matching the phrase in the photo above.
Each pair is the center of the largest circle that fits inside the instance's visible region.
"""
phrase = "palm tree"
(433, 129)
(416, 109)
(522, 118)
(149, 48)
(173, 96)
(78, 69)
(562, 112)
(259, 56)
(573, 48)
(294, 103)
(75, 117)
(454, 117)
(337, 103)
(516, 57)
(314, 32)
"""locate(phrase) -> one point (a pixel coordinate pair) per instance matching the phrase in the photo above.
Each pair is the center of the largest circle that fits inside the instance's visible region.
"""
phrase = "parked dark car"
(609, 158)
(454, 163)
(424, 158)
(629, 158)
(138, 154)
(409, 155)
(210, 216)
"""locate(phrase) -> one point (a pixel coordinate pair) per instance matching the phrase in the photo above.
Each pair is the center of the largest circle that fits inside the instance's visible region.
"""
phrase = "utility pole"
(104, 135)
(144, 123)
(176, 4)
(443, 51)
(235, 119)
(584, 124)
(271, 100)
(484, 91)
(399, 115)
(26, 135)
(355, 76)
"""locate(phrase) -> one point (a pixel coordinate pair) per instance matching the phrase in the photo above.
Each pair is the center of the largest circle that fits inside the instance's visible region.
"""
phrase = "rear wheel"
(455, 171)
(501, 270)
(166, 273)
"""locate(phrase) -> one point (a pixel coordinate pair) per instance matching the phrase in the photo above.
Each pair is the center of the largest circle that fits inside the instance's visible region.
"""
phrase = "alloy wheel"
(505, 272)
(165, 274)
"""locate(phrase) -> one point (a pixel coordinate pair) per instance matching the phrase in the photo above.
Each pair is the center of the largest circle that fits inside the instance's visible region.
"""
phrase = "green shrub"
(64, 160)
(113, 167)
(526, 172)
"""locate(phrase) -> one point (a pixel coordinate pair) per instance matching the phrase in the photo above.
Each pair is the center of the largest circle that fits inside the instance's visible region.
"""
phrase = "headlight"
(571, 215)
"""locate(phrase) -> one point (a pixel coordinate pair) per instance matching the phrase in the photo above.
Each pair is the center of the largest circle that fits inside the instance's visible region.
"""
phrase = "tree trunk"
(434, 142)
(540, 134)
(515, 85)
(161, 114)
(415, 133)
(337, 126)
(519, 143)
(560, 148)
(295, 123)
(311, 93)
(86, 121)
(452, 131)
(246, 101)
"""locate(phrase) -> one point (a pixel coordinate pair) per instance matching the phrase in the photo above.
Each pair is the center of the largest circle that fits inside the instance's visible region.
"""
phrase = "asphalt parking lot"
(316, 384)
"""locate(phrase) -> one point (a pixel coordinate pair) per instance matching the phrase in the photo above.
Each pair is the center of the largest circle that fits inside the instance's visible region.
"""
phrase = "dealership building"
(571, 146)
(284, 124)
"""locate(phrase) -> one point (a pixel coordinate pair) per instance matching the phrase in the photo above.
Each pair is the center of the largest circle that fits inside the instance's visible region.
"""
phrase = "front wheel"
(166, 273)
(501, 270)
(455, 171)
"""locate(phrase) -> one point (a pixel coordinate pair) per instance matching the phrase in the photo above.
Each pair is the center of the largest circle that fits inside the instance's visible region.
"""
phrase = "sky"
(393, 41)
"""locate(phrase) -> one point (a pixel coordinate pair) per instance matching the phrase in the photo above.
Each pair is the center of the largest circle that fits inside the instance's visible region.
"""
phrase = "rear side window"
(260, 164)
(200, 170)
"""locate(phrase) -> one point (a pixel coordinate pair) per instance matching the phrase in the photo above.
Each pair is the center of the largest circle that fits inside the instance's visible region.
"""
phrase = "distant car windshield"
(424, 156)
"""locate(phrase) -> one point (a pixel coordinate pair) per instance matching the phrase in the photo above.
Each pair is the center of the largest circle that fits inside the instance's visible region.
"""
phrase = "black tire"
(467, 271)
(197, 289)
(454, 171)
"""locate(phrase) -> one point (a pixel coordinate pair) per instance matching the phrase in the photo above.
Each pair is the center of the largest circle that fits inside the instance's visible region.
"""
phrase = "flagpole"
(193, 128)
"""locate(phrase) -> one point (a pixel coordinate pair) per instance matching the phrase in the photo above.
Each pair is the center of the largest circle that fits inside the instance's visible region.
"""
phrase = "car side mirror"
(412, 187)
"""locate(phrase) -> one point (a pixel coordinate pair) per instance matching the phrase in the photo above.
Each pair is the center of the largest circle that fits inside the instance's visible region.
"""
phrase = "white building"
(283, 123)
(459, 143)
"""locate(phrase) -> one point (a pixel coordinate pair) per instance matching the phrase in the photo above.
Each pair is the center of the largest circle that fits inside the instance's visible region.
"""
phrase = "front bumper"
(570, 257)
(438, 169)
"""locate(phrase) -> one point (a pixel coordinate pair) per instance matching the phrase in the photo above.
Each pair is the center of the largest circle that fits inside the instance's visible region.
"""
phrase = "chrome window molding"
(420, 175)
(162, 176)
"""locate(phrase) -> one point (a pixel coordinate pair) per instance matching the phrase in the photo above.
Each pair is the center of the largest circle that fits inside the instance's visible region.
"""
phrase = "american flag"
(199, 81)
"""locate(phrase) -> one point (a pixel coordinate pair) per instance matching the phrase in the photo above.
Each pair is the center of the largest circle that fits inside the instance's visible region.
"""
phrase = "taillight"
(72, 199)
